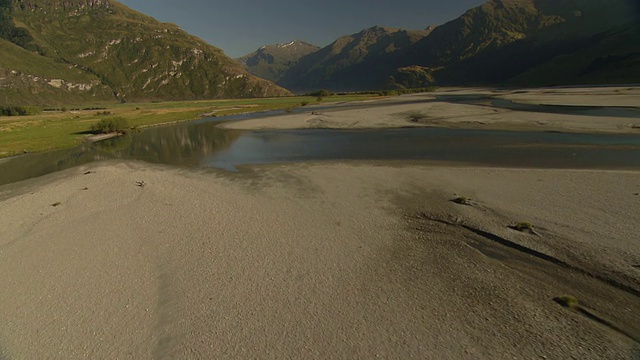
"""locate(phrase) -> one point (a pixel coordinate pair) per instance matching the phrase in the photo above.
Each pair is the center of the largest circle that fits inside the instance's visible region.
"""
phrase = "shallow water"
(493, 148)
(202, 144)
(597, 111)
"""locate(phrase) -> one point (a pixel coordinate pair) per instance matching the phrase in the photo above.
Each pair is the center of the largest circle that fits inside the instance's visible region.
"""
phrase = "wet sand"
(326, 260)
(431, 110)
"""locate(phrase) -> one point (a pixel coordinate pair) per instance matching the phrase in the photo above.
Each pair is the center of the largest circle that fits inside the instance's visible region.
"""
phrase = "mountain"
(74, 51)
(271, 61)
(350, 62)
(519, 42)
(612, 58)
(502, 39)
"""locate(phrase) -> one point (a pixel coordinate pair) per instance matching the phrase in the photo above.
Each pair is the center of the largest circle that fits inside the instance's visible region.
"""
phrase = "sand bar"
(352, 260)
(430, 110)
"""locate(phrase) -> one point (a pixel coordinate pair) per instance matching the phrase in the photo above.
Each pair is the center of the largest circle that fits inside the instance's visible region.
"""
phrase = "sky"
(241, 26)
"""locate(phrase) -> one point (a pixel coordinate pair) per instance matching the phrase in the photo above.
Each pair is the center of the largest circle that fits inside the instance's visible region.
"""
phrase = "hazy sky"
(241, 26)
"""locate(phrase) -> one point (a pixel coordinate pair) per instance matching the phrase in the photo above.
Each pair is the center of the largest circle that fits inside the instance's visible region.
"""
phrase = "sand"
(438, 109)
(325, 260)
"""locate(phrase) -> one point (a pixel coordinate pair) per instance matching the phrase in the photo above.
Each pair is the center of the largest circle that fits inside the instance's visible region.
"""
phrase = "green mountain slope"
(524, 42)
(135, 56)
(272, 61)
(26, 78)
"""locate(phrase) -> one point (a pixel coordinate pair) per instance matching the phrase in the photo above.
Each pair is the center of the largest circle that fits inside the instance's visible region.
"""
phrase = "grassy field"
(52, 130)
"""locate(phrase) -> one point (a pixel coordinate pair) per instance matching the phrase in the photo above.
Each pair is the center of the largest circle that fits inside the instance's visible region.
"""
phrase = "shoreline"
(350, 259)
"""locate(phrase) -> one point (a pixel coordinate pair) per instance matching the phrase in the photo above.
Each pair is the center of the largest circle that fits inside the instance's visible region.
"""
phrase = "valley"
(465, 190)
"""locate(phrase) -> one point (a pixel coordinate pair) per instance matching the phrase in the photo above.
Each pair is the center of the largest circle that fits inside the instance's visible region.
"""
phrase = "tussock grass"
(462, 200)
(416, 116)
(567, 301)
(524, 227)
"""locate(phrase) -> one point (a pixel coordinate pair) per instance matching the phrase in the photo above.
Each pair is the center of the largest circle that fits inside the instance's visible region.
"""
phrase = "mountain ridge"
(135, 56)
(340, 59)
(270, 61)
(496, 43)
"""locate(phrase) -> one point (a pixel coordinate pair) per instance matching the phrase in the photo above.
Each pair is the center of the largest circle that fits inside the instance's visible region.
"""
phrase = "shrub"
(567, 301)
(304, 103)
(19, 110)
(116, 124)
(462, 200)
(524, 227)
(12, 111)
(321, 93)
(416, 116)
(397, 92)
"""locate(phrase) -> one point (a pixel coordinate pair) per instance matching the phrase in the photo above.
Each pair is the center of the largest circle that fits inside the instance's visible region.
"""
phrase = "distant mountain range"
(271, 61)
(80, 51)
(65, 52)
(513, 42)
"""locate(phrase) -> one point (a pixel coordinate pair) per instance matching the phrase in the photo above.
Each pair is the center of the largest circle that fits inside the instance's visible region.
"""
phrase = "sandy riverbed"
(352, 260)
(428, 110)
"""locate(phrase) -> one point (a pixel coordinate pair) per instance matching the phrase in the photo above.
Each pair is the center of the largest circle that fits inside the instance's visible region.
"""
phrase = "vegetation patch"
(320, 93)
(523, 227)
(19, 110)
(462, 200)
(8, 30)
(397, 92)
(567, 301)
(116, 124)
(416, 116)
(571, 303)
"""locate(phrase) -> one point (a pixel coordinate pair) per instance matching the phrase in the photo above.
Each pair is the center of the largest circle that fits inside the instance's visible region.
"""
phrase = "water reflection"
(482, 147)
(184, 144)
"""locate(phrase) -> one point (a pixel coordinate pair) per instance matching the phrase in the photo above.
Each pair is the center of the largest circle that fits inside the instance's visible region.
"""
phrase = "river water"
(202, 144)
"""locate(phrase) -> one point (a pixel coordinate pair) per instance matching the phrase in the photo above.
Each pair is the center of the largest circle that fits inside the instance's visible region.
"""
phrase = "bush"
(462, 200)
(567, 301)
(321, 93)
(524, 227)
(19, 110)
(397, 92)
(116, 124)
(304, 103)
(416, 116)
